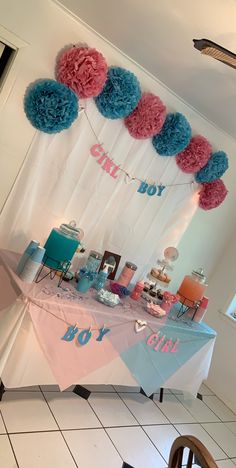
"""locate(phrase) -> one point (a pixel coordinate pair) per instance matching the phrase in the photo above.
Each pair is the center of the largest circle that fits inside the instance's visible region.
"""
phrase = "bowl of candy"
(155, 310)
(107, 298)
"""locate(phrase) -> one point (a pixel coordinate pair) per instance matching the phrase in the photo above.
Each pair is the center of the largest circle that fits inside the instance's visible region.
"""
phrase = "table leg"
(126, 465)
(82, 392)
(199, 396)
(143, 393)
(161, 395)
(2, 390)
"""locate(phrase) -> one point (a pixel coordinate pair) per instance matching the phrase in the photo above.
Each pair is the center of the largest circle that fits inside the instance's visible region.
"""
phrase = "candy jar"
(136, 293)
(101, 278)
(127, 274)
(94, 261)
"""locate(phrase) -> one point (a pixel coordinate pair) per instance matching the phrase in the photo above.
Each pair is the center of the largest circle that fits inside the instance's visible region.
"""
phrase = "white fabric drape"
(61, 181)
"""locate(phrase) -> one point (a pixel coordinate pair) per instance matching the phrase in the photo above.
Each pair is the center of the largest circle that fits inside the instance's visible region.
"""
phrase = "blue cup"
(84, 284)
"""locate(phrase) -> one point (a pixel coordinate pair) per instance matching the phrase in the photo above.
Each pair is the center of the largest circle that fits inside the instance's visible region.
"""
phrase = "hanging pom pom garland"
(174, 136)
(214, 169)
(212, 194)
(148, 117)
(120, 94)
(50, 106)
(82, 72)
(195, 156)
(82, 69)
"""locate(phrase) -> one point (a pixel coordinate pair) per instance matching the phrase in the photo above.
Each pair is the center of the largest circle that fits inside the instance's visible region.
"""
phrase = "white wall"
(222, 288)
(46, 29)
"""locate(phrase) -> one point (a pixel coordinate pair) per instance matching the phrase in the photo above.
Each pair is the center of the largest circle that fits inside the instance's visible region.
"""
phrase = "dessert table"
(52, 335)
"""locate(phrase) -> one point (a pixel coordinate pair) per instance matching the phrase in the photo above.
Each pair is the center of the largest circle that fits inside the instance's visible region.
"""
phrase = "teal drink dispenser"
(61, 246)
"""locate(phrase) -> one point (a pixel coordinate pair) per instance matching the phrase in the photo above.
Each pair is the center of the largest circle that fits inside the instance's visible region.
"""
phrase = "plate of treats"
(155, 310)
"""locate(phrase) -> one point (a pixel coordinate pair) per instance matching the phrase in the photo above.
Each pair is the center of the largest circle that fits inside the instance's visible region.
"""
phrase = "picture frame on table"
(111, 260)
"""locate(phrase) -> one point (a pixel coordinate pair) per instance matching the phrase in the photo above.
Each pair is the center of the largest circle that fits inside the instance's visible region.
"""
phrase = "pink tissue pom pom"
(212, 194)
(195, 156)
(82, 69)
(147, 118)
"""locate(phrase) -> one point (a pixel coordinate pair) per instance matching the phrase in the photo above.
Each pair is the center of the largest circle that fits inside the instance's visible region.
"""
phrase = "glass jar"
(61, 246)
(94, 261)
(100, 280)
(127, 274)
(71, 230)
(136, 293)
(192, 288)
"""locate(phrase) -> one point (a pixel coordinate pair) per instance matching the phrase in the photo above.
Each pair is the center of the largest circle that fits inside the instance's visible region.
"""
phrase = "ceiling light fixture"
(215, 51)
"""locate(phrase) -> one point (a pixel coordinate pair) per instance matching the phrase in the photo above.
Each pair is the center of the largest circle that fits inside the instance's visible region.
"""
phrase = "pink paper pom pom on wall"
(82, 69)
(212, 194)
(147, 118)
(195, 156)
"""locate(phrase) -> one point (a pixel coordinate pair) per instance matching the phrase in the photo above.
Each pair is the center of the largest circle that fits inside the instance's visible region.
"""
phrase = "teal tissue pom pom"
(120, 94)
(50, 106)
(214, 169)
(174, 136)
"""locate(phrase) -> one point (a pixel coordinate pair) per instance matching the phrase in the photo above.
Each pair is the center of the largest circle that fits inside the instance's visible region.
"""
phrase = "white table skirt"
(23, 363)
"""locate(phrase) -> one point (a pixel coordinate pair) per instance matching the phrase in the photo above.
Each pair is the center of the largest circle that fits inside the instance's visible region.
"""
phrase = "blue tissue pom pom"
(214, 169)
(120, 94)
(174, 136)
(50, 106)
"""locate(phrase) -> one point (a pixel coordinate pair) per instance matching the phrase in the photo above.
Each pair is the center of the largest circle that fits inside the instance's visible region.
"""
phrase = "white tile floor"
(43, 428)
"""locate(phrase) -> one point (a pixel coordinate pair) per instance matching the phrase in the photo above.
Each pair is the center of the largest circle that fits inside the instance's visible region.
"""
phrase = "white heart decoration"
(140, 325)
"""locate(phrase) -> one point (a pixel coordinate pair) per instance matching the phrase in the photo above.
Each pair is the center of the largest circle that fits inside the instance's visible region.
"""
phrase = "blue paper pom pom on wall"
(214, 169)
(50, 106)
(174, 136)
(120, 94)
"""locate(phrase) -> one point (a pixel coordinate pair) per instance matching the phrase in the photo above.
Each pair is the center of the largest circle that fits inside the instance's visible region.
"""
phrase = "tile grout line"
(138, 423)
(141, 427)
(103, 427)
(176, 396)
(201, 423)
(151, 400)
(9, 439)
(214, 411)
(69, 450)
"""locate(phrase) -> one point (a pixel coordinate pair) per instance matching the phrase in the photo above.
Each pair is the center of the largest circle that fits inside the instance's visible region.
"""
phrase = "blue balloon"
(214, 169)
(120, 94)
(174, 136)
(50, 106)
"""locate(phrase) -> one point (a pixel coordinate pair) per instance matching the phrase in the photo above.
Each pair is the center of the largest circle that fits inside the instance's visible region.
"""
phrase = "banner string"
(29, 300)
(127, 174)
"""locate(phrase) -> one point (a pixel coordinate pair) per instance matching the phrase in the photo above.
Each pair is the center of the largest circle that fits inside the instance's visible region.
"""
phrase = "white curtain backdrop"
(61, 181)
